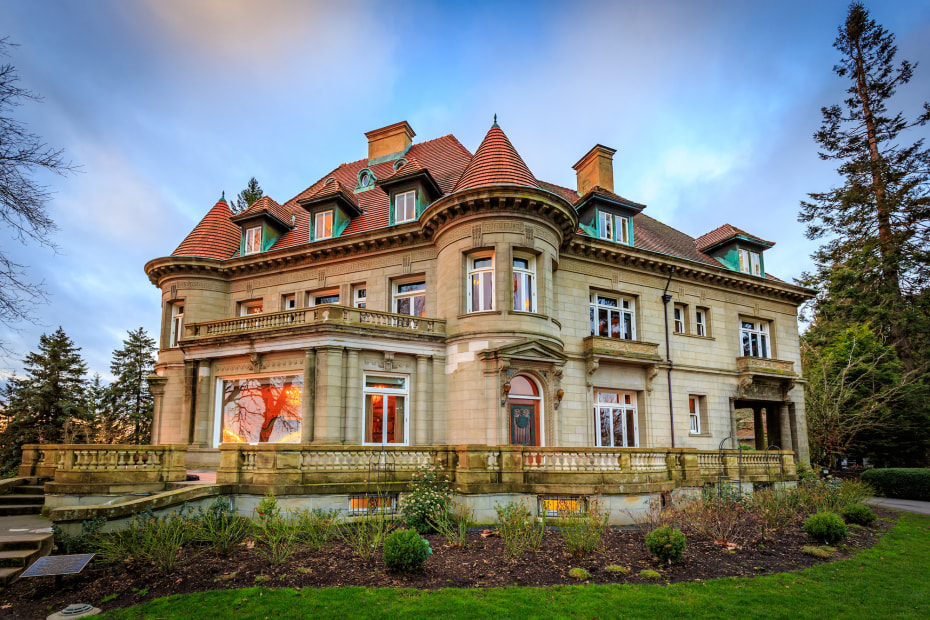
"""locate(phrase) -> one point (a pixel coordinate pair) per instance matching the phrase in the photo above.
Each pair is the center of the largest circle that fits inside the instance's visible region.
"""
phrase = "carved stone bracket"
(388, 360)
(591, 365)
(651, 374)
(255, 362)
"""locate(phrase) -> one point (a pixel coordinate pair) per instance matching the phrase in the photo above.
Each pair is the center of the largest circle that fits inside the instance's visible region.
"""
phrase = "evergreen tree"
(49, 398)
(106, 426)
(129, 394)
(248, 196)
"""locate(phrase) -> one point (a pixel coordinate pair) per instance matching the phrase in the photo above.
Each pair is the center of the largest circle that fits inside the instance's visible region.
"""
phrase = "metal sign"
(58, 565)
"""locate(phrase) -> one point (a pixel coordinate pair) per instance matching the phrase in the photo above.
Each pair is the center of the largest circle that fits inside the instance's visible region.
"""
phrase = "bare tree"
(23, 202)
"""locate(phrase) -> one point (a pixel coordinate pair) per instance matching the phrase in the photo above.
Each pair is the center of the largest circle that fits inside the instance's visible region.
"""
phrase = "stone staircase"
(22, 498)
(17, 553)
(27, 498)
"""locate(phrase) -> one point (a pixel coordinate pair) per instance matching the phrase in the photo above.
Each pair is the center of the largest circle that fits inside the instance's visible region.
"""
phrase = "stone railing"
(750, 465)
(327, 315)
(765, 366)
(627, 350)
(92, 465)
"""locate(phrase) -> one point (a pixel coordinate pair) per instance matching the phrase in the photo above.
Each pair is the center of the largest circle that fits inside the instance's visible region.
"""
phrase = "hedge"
(899, 482)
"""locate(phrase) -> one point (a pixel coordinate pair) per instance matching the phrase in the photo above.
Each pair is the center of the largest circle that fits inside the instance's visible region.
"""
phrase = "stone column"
(327, 410)
(157, 388)
(353, 431)
(785, 419)
(438, 387)
(772, 425)
(307, 398)
(186, 430)
(421, 416)
(758, 427)
(202, 427)
(733, 426)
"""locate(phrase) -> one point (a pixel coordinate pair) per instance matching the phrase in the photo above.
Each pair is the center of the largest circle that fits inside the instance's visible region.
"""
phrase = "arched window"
(521, 386)
(525, 419)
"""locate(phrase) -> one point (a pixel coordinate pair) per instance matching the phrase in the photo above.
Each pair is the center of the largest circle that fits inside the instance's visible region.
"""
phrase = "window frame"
(694, 414)
(481, 272)
(360, 301)
(700, 322)
(405, 393)
(313, 297)
(410, 202)
(528, 277)
(292, 297)
(219, 418)
(317, 236)
(595, 307)
(176, 324)
(626, 409)
(680, 318)
(251, 241)
(397, 295)
(613, 221)
(760, 328)
(246, 305)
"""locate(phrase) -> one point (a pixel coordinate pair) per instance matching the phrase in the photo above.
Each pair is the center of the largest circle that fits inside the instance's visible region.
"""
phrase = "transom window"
(410, 298)
(385, 409)
(750, 262)
(323, 225)
(613, 316)
(253, 240)
(480, 283)
(616, 420)
(405, 208)
(177, 323)
(614, 227)
(755, 338)
(524, 283)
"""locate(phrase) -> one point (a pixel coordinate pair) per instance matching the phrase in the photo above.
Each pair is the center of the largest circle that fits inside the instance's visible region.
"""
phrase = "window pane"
(374, 418)
(765, 346)
(488, 282)
(606, 397)
(393, 383)
(606, 301)
(747, 350)
(412, 287)
(403, 305)
(475, 293)
(521, 263)
(262, 410)
(327, 299)
(631, 429)
(628, 326)
(395, 419)
(604, 424)
(593, 322)
(691, 405)
(628, 399)
(602, 323)
(484, 263)
(419, 305)
(615, 325)
(617, 415)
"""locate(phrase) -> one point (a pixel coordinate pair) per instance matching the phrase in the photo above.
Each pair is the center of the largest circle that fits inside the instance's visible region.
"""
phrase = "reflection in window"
(755, 338)
(480, 285)
(612, 317)
(524, 284)
(177, 323)
(323, 225)
(616, 420)
(385, 410)
(261, 409)
(410, 298)
(253, 240)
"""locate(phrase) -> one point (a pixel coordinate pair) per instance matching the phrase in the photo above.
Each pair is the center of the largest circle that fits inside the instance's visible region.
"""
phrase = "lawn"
(889, 581)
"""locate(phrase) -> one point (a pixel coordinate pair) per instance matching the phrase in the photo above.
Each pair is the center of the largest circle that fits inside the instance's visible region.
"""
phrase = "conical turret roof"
(214, 237)
(496, 162)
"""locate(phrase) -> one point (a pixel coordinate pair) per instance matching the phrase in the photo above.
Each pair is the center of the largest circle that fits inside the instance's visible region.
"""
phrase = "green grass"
(888, 581)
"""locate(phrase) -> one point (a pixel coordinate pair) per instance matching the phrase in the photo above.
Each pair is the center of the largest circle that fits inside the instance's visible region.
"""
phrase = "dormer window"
(323, 225)
(405, 208)
(614, 227)
(366, 180)
(253, 240)
(750, 262)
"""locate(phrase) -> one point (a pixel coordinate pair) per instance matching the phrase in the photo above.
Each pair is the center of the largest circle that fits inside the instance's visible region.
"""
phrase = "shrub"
(722, 519)
(428, 497)
(278, 535)
(519, 530)
(650, 574)
(583, 531)
(453, 524)
(858, 514)
(405, 551)
(317, 527)
(667, 544)
(824, 553)
(614, 568)
(826, 526)
(580, 574)
(79, 543)
(901, 483)
(220, 527)
(365, 534)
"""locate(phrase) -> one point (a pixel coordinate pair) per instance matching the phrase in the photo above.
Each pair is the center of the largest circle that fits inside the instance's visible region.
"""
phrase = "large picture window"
(480, 286)
(410, 298)
(524, 283)
(260, 409)
(616, 421)
(613, 317)
(385, 410)
(755, 338)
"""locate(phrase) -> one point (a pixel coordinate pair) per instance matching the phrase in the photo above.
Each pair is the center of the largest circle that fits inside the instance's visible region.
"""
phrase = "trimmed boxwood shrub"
(858, 514)
(405, 551)
(901, 483)
(826, 526)
(666, 543)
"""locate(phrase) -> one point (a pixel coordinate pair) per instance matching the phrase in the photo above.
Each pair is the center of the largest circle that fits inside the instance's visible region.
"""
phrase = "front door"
(523, 424)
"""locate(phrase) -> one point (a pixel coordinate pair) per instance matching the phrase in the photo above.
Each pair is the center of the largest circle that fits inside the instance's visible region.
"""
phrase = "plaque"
(58, 565)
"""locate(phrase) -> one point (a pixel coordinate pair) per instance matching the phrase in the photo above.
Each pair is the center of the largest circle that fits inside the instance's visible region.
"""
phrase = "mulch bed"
(481, 565)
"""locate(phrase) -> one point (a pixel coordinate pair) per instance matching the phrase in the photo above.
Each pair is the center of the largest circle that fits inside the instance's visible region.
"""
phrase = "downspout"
(668, 355)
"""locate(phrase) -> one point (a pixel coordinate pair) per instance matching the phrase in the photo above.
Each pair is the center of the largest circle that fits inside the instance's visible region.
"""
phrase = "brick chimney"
(596, 168)
(391, 140)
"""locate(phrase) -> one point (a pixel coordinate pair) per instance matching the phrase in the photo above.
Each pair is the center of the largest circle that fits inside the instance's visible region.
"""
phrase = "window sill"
(482, 313)
(535, 314)
(699, 435)
(694, 336)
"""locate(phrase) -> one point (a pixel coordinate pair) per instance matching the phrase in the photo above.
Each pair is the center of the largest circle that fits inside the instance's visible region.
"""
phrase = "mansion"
(427, 296)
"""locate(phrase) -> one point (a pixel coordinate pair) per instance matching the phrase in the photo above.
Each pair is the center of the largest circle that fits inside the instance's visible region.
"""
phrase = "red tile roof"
(496, 162)
(214, 237)
(266, 204)
(724, 233)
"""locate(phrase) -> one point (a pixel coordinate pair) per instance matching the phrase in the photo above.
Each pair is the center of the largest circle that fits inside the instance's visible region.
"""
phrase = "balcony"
(327, 317)
(765, 379)
(765, 366)
(630, 351)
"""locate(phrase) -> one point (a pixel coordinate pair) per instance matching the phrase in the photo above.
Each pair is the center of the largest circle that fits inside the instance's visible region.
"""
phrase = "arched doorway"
(525, 406)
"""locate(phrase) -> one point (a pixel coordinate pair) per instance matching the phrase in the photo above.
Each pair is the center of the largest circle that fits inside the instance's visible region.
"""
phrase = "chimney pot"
(596, 168)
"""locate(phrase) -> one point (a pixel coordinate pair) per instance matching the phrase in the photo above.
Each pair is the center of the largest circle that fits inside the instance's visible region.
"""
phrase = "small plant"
(303, 570)
(619, 570)
(858, 514)
(140, 592)
(826, 526)
(519, 530)
(220, 527)
(667, 544)
(427, 500)
(824, 553)
(405, 551)
(260, 579)
(453, 524)
(109, 597)
(163, 537)
(583, 531)
(79, 543)
(580, 574)
(267, 509)
(278, 537)
(317, 527)
(365, 534)
(650, 574)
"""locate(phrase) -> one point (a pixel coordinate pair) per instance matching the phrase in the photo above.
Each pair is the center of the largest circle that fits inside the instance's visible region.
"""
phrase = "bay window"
(480, 280)
(755, 338)
(613, 316)
(524, 283)
(385, 410)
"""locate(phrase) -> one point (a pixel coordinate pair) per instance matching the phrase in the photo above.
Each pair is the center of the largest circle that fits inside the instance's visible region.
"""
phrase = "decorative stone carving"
(651, 373)
(255, 362)
(388, 360)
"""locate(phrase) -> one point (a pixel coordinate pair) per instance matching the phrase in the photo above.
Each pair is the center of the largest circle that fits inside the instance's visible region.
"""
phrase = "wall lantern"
(558, 397)
(506, 390)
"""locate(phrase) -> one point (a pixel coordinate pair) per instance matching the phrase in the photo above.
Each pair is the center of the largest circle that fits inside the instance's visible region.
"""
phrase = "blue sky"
(166, 104)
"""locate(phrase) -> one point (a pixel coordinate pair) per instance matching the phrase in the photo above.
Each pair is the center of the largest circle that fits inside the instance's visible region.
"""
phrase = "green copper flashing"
(223, 197)
(495, 121)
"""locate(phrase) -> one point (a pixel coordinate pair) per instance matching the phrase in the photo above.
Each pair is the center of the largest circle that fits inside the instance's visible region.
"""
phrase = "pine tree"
(129, 394)
(49, 398)
(248, 196)
(874, 267)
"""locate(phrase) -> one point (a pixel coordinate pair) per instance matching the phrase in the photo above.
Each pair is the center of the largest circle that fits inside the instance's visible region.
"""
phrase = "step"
(20, 509)
(18, 558)
(16, 498)
(31, 489)
(11, 542)
(8, 575)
